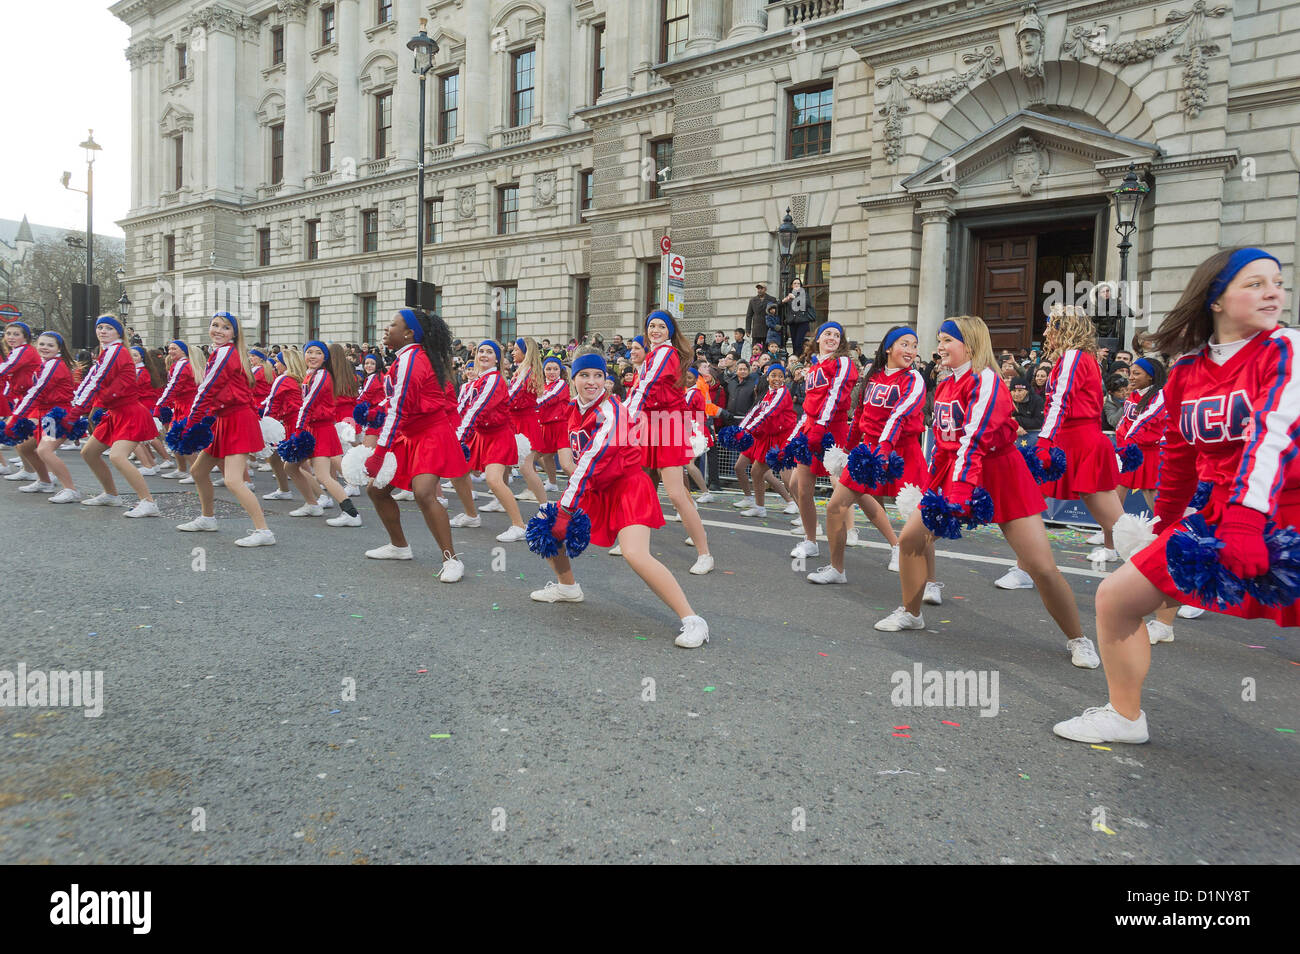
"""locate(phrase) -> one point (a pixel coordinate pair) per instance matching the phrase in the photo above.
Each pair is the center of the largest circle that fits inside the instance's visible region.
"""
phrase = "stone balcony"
(798, 12)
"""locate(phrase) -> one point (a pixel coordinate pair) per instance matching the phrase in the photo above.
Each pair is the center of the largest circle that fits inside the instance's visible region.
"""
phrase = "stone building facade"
(937, 157)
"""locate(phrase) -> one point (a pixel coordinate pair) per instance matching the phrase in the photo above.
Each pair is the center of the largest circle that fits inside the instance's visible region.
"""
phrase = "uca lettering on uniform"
(946, 689)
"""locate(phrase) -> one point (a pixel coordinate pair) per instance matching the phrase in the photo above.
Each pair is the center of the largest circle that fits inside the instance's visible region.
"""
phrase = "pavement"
(302, 704)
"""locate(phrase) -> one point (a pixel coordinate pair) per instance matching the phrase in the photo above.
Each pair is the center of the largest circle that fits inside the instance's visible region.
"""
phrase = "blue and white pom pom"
(1202, 496)
(827, 442)
(796, 451)
(1192, 553)
(541, 542)
(96, 416)
(524, 446)
(79, 429)
(868, 468)
(6, 439)
(272, 431)
(174, 434)
(907, 500)
(1280, 586)
(940, 517)
(197, 437)
(300, 447)
(21, 429)
(360, 412)
(734, 438)
(1129, 458)
(165, 414)
(1041, 474)
(377, 417)
(53, 424)
(774, 459)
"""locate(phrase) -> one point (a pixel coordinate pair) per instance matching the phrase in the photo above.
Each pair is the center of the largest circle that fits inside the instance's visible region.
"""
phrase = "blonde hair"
(533, 363)
(1074, 329)
(975, 334)
(294, 365)
(188, 353)
(241, 347)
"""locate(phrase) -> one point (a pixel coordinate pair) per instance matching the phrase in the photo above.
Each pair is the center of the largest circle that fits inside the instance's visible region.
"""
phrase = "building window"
(313, 239)
(370, 230)
(521, 88)
(383, 11)
(661, 163)
(651, 300)
(369, 315)
(812, 265)
(169, 253)
(508, 210)
(810, 122)
(448, 107)
(505, 299)
(586, 178)
(178, 163)
(264, 323)
(263, 247)
(277, 153)
(598, 62)
(327, 24)
(326, 140)
(313, 319)
(583, 307)
(383, 123)
(277, 45)
(676, 17)
(182, 61)
(433, 221)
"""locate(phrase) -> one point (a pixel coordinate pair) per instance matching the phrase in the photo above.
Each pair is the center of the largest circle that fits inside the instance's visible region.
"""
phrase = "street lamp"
(124, 308)
(1128, 202)
(91, 148)
(786, 236)
(423, 47)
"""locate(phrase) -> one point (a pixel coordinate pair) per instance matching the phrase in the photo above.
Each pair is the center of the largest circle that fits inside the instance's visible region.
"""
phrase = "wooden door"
(1004, 288)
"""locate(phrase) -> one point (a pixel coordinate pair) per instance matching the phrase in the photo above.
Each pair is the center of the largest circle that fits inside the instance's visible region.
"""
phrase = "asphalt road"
(488, 728)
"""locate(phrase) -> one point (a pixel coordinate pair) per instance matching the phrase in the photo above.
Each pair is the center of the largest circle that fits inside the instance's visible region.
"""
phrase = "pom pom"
(773, 459)
(6, 439)
(1129, 458)
(797, 451)
(981, 509)
(735, 439)
(464, 449)
(54, 424)
(1133, 533)
(541, 542)
(387, 470)
(834, 460)
(22, 429)
(196, 438)
(353, 465)
(908, 499)
(869, 469)
(360, 412)
(1280, 586)
(524, 446)
(272, 431)
(297, 448)
(1192, 553)
(1056, 470)
(96, 416)
(79, 430)
(377, 419)
(1041, 474)
(827, 442)
(165, 414)
(699, 442)
(346, 432)
(1202, 496)
(940, 517)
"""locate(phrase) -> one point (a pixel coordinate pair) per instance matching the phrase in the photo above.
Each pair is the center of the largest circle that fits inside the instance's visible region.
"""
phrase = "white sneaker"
(548, 486)
(492, 506)
(743, 502)
(37, 487)
(406, 495)
(389, 552)
(308, 510)
(22, 475)
(1014, 579)
(145, 508)
(754, 512)
(852, 539)
(511, 535)
(514, 473)
(527, 496)
(893, 559)
(791, 507)
(1103, 724)
(218, 481)
(465, 520)
(616, 550)
(452, 570)
(689, 542)
(278, 495)
(351, 490)
(199, 523)
(703, 565)
(1096, 540)
(176, 475)
(187, 479)
(705, 497)
(673, 517)
(257, 538)
(1190, 612)
(1103, 554)
(477, 478)
(148, 471)
(64, 496)
(900, 619)
(325, 502)
(806, 548)
(555, 592)
(447, 487)
(827, 574)
(1082, 653)
(264, 468)
(250, 485)
(345, 520)
(443, 502)
(933, 596)
(797, 522)
(1158, 632)
(102, 500)
(694, 633)
(797, 530)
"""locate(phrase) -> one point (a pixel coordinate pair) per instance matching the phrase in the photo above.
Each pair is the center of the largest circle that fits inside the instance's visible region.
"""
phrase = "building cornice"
(773, 172)
(1258, 95)
(637, 105)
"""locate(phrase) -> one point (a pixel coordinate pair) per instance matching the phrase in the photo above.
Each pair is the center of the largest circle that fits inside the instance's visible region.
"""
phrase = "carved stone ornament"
(465, 202)
(338, 223)
(144, 52)
(285, 233)
(397, 214)
(187, 241)
(1029, 163)
(983, 63)
(146, 250)
(1029, 41)
(544, 188)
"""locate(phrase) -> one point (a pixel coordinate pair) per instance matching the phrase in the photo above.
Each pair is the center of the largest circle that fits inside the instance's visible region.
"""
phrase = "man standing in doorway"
(755, 317)
(798, 313)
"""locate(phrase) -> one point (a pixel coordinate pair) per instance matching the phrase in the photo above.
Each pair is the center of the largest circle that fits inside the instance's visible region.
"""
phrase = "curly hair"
(1074, 330)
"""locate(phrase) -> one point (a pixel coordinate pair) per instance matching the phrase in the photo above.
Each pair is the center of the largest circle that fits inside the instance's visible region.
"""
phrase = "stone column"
(643, 42)
(406, 97)
(748, 20)
(618, 49)
(347, 118)
(557, 68)
(154, 171)
(932, 289)
(474, 85)
(218, 94)
(295, 93)
(705, 26)
(139, 122)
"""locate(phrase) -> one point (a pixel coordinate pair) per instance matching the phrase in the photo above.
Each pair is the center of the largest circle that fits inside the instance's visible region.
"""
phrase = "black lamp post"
(123, 308)
(1128, 202)
(786, 236)
(91, 148)
(423, 47)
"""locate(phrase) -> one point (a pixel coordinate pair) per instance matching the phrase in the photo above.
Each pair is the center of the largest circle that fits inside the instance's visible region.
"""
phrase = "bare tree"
(52, 266)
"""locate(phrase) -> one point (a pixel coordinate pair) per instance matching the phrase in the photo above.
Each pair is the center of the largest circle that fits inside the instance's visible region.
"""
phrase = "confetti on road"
(495, 607)
(959, 597)
(709, 688)
(1103, 748)
(1105, 829)
(945, 621)
(441, 735)
(957, 724)
(641, 637)
(898, 772)
(1024, 776)
(92, 634)
(824, 654)
(1254, 647)
(1275, 729)
(898, 727)
(142, 626)
(320, 596)
(901, 735)
(335, 711)
(421, 670)
(356, 616)
(729, 572)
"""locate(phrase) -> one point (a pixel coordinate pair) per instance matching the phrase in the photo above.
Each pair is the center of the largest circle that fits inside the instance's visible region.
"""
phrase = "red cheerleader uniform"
(523, 409)
(111, 384)
(261, 386)
(485, 425)
(226, 395)
(1147, 431)
(553, 410)
(417, 428)
(284, 402)
(17, 374)
(893, 412)
(373, 394)
(829, 387)
(975, 443)
(1073, 423)
(608, 482)
(657, 411)
(768, 422)
(317, 413)
(53, 388)
(148, 396)
(1234, 425)
(179, 392)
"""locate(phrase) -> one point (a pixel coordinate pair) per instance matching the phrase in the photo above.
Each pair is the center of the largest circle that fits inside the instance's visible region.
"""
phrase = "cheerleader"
(553, 410)
(768, 422)
(328, 378)
(282, 404)
(345, 406)
(699, 402)
(526, 388)
(486, 429)
(975, 447)
(151, 379)
(183, 379)
(18, 372)
(829, 386)
(1143, 426)
(225, 395)
(610, 487)
(111, 386)
(890, 420)
(1234, 400)
(371, 399)
(656, 407)
(263, 374)
(417, 433)
(52, 388)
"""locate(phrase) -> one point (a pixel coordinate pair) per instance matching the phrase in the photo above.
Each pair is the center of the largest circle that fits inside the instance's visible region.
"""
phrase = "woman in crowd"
(328, 379)
(51, 389)
(283, 404)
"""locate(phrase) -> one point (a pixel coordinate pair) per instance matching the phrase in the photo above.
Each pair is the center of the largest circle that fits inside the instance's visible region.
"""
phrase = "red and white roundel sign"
(676, 266)
(9, 313)
(665, 244)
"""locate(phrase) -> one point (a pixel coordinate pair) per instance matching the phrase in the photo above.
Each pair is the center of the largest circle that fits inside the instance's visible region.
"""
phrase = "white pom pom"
(524, 446)
(1133, 533)
(346, 431)
(908, 499)
(699, 442)
(835, 460)
(353, 465)
(386, 471)
(272, 431)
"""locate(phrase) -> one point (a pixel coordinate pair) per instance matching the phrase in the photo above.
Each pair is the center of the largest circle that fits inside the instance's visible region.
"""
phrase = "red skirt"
(665, 437)
(630, 501)
(555, 437)
(434, 450)
(1006, 478)
(914, 472)
(327, 440)
(1153, 564)
(841, 431)
(528, 424)
(1090, 466)
(1144, 478)
(180, 410)
(492, 446)
(236, 432)
(130, 422)
(758, 451)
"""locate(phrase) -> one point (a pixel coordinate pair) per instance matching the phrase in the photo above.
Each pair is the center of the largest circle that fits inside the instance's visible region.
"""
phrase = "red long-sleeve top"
(973, 417)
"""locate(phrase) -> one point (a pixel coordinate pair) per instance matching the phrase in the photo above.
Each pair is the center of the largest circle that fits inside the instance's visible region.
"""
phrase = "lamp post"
(123, 308)
(786, 236)
(423, 47)
(1128, 202)
(91, 148)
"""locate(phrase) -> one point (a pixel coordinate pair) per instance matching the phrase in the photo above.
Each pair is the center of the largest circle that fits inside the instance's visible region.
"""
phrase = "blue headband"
(138, 350)
(183, 346)
(277, 358)
(522, 345)
(693, 372)
(950, 329)
(494, 346)
(894, 334)
(370, 357)
(1146, 366)
(229, 317)
(1239, 260)
(589, 362)
(110, 320)
(826, 325)
(774, 367)
(23, 325)
(663, 316)
(639, 340)
(316, 344)
(412, 322)
(257, 354)
(553, 360)
(55, 335)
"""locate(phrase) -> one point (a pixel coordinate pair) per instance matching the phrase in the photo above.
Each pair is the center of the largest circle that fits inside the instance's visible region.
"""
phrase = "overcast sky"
(65, 73)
